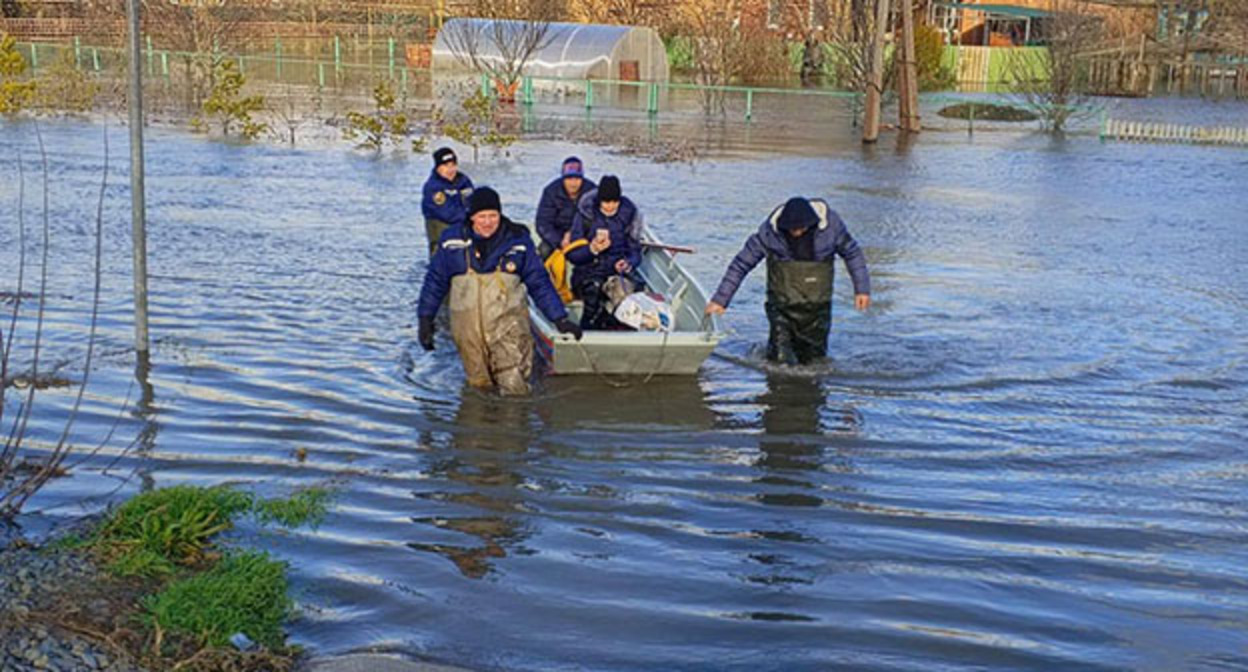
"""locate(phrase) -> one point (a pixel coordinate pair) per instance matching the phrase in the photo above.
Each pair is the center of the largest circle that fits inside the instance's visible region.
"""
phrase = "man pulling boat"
(800, 241)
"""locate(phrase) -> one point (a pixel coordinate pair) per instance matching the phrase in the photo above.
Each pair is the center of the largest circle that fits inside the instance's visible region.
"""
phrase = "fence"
(1153, 132)
(336, 71)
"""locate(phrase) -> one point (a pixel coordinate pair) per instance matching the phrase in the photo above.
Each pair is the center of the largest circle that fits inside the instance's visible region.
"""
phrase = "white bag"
(645, 312)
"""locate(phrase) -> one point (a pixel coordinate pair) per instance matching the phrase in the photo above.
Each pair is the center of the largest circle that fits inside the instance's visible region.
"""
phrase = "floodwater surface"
(1029, 453)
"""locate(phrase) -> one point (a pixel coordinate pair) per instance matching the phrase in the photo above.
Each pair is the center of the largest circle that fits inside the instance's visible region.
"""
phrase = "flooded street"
(1029, 453)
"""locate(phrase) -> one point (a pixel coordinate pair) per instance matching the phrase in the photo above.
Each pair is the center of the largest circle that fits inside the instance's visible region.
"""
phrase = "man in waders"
(800, 241)
(557, 208)
(444, 201)
(490, 269)
(606, 242)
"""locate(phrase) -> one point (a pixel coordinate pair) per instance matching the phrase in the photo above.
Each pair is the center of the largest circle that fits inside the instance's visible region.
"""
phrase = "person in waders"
(800, 241)
(444, 199)
(489, 269)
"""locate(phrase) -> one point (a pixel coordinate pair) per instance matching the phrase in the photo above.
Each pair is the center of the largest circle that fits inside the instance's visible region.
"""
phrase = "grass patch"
(986, 112)
(305, 507)
(245, 592)
(158, 531)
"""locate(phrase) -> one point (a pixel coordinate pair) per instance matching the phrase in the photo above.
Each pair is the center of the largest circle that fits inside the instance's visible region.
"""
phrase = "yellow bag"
(557, 267)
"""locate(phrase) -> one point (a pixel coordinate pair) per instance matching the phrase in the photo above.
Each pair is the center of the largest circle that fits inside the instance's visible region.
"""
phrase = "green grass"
(305, 507)
(157, 531)
(245, 592)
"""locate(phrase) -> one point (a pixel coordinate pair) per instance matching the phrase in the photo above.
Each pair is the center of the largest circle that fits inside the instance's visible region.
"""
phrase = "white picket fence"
(1152, 132)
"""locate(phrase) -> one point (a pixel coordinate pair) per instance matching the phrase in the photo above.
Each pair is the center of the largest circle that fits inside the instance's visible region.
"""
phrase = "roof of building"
(1012, 11)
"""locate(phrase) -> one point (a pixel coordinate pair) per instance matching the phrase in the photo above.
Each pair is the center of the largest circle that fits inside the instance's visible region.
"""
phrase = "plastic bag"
(645, 312)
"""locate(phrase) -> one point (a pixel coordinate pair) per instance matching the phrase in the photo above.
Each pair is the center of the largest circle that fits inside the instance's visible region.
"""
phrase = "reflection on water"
(480, 460)
(1027, 455)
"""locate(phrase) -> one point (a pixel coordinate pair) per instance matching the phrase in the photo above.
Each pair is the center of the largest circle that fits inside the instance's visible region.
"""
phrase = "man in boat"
(445, 196)
(800, 240)
(557, 208)
(605, 243)
(490, 269)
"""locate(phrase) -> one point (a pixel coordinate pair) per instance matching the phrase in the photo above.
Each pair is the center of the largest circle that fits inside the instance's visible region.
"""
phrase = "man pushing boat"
(490, 268)
(800, 241)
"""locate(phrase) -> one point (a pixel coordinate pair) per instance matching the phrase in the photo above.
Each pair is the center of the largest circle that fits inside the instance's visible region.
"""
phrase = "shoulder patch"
(439, 198)
(465, 192)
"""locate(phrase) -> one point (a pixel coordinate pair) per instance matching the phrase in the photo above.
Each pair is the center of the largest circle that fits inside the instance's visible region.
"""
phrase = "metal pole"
(137, 206)
(875, 88)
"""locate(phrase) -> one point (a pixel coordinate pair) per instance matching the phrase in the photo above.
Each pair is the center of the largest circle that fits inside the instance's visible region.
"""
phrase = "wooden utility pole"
(875, 87)
(908, 82)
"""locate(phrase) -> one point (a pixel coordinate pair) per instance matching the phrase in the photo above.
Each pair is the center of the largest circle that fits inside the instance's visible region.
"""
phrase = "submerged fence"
(1157, 132)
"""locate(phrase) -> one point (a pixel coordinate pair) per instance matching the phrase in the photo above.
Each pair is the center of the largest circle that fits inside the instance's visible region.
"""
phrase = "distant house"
(1016, 23)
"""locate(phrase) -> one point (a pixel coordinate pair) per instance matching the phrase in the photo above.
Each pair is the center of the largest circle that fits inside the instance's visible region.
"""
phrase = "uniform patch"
(439, 198)
(465, 192)
(511, 267)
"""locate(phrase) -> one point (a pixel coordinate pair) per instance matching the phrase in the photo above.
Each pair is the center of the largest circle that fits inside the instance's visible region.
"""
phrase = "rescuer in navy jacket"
(444, 201)
(557, 208)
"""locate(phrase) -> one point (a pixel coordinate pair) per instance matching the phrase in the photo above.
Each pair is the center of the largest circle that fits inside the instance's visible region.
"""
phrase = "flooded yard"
(1029, 454)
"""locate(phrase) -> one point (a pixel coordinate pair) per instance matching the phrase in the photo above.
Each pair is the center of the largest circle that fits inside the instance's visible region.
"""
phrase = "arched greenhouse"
(575, 51)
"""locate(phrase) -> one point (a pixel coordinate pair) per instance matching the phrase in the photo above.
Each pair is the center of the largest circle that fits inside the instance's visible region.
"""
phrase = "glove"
(426, 333)
(566, 326)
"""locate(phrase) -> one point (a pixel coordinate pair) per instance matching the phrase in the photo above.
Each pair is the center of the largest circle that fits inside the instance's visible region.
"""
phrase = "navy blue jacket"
(831, 239)
(446, 201)
(556, 211)
(514, 254)
(624, 227)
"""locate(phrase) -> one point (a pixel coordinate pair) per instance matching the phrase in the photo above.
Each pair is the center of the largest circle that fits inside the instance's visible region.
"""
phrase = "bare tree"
(730, 44)
(501, 38)
(852, 25)
(1055, 85)
(20, 479)
(200, 34)
(657, 14)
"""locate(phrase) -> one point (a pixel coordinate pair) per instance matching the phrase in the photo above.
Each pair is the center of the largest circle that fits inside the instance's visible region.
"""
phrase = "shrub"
(227, 105)
(386, 124)
(65, 88)
(16, 93)
(480, 125)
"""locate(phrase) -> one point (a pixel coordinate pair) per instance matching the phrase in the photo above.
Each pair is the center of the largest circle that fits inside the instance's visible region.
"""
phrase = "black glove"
(426, 333)
(566, 326)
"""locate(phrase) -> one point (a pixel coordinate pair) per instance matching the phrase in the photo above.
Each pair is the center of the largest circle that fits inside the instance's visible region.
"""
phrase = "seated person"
(611, 225)
(557, 208)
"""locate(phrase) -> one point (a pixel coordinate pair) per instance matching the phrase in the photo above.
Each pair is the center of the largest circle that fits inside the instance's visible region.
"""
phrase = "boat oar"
(674, 249)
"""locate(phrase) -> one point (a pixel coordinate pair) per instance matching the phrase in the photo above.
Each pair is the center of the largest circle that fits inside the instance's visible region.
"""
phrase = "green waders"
(799, 308)
(434, 228)
(490, 327)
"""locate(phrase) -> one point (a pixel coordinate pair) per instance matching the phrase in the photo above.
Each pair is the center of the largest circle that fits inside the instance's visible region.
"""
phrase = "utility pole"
(908, 82)
(875, 88)
(138, 208)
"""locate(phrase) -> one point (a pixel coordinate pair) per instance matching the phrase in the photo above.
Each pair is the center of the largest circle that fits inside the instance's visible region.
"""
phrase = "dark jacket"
(514, 253)
(446, 201)
(624, 227)
(831, 240)
(556, 211)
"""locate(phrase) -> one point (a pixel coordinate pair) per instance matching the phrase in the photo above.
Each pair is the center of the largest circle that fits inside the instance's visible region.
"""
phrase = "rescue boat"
(679, 352)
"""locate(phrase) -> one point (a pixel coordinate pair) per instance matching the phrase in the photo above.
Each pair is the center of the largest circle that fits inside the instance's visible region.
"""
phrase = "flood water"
(1029, 454)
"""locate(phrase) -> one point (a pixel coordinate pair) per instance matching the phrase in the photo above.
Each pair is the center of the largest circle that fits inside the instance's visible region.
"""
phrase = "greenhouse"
(570, 50)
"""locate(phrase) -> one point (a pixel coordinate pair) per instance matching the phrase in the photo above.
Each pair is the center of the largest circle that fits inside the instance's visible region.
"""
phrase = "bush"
(480, 125)
(227, 105)
(929, 50)
(64, 88)
(16, 93)
(386, 124)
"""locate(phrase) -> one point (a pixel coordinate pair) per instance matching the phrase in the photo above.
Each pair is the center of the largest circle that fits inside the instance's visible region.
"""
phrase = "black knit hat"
(609, 188)
(797, 214)
(484, 198)
(444, 155)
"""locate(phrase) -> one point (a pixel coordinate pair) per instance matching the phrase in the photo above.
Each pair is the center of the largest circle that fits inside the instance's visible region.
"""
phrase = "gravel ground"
(26, 578)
